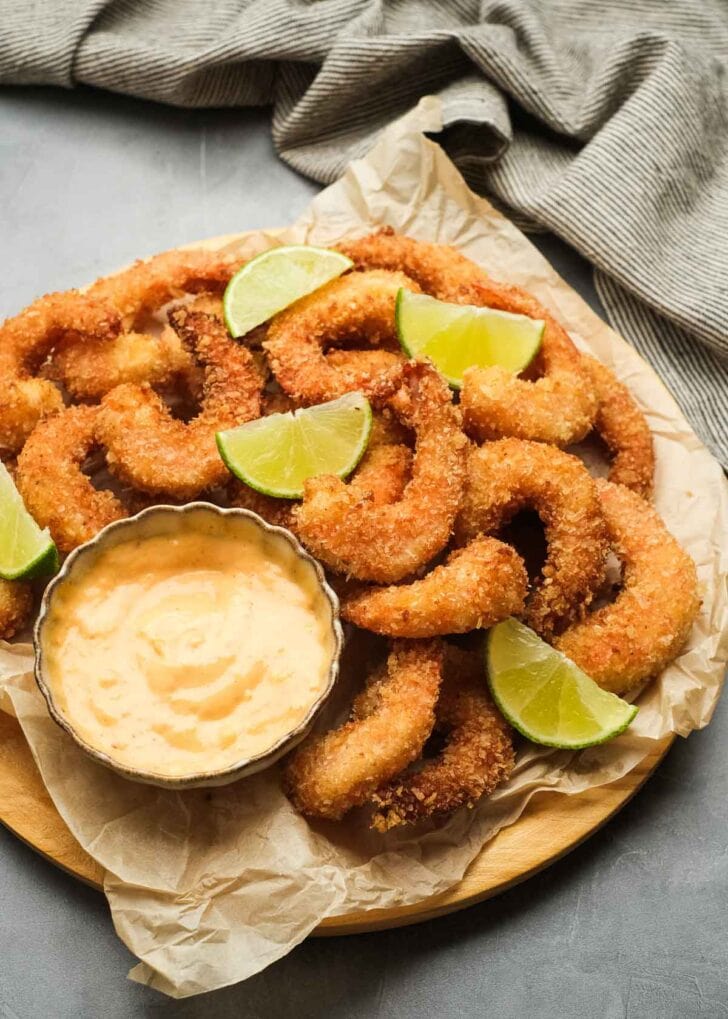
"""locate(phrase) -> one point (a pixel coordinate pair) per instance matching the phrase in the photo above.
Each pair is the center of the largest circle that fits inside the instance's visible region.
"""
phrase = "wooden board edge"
(515, 854)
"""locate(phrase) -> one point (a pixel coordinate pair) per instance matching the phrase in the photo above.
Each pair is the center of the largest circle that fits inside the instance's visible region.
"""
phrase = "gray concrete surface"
(633, 924)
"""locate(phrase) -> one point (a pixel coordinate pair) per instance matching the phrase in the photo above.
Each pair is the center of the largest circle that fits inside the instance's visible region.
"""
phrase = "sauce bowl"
(161, 521)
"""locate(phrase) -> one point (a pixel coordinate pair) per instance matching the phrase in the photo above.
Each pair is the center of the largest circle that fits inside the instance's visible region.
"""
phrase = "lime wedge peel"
(459, 336)
(25, 550)
(275, 455)
(275, 279)
(545, 696)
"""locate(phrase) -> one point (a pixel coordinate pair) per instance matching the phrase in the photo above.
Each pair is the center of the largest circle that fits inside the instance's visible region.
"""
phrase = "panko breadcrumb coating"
(387, 543)
(16, 604)
(623, 428)
(477, 757)
(635, 637)
(475, 588)
(510, 475)
(52, 484)
(357, 308)
(390, 721)
(156, 453)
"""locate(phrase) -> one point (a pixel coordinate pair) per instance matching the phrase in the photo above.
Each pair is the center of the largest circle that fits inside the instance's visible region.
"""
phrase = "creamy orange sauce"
(188, 652)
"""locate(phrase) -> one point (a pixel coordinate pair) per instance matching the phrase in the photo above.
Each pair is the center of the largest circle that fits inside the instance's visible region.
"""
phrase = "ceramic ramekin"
(148, 523)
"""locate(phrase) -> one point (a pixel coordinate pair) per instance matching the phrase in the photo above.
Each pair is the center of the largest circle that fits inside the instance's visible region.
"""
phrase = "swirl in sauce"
(189, 652)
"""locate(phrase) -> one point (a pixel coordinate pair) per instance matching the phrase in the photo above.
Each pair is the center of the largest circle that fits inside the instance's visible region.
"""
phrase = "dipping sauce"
(189, 651)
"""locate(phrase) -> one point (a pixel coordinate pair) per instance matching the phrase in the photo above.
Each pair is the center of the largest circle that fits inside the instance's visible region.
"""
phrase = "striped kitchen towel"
(604, 121)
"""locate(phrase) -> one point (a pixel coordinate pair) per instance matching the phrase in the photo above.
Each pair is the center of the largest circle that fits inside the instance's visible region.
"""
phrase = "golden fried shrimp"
(357, 364)
(510, 475)
(16, 605)
(278, 512)
(475, 588)
(559, 407)
(52, 484)
(382, 475)
(438, 269)
(150, 283)
(88, 368)
(152, 451)
(388, 430)
(623, 428)
(386, 543)
(646, 627)
(477, 757)
(390, 721)
(356, 307)
(25, 342)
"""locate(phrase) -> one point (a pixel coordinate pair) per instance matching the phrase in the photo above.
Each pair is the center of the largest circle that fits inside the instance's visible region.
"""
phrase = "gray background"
(632, 924)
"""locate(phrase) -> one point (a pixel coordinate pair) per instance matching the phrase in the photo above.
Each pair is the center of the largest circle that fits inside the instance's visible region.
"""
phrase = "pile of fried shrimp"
(423, 542)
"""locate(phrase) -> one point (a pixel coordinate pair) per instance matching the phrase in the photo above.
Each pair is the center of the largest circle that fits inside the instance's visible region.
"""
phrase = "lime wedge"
(277, 454)
(270, 282)
(460, 336)
(546, 696)
(25, 550)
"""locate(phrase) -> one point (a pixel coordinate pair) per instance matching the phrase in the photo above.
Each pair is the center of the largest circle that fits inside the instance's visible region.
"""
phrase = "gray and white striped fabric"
(604, 121)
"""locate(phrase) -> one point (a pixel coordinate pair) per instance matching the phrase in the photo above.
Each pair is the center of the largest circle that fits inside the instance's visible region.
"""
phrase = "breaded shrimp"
(386, 543)
(635, 637)
(331, 773)
(52, 484)
(16, 605)
(559, 407)
(149, 449)
(623, 428)
(358, 307)
(477, 587)
(510, 475)
(477, 757)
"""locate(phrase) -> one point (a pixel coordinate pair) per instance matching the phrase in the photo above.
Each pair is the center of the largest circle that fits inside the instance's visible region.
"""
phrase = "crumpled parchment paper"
(208, 887)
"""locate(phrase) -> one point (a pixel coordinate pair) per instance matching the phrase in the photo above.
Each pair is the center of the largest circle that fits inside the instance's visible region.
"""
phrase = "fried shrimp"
(357, 307)
(475, 588)
(382, 475)
(152, 451)
(624, 643)
(510, 475)
(477, 757)
(390, 722)
(623, 428)
(558, 407)
(50, 480)
(16, 604)
(387, 543)
(89, 366)
(25, 343)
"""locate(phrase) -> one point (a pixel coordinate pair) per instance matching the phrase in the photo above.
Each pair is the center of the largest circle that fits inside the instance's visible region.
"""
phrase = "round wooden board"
(551, 825)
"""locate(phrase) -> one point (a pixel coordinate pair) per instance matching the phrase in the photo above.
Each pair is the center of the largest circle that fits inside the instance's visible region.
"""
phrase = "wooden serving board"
(551, 825)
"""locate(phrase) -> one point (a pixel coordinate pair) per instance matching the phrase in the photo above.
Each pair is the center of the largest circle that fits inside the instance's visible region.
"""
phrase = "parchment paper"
(209, 887)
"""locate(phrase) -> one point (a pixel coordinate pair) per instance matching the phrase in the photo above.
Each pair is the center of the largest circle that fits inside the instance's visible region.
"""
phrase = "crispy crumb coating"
(16, 605)
(355, 308)
(475, 588)
(559, 407)
(646, 627)
(152, 451)
(386, 543)
(478, 754)
(623, 428)
(52, 484)
(512, 474)
(389, 724)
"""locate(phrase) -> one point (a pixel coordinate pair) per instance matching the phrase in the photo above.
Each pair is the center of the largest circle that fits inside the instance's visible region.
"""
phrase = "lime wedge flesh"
(277, 454)
(460, 336)
(546, 696)
(25, 550)
(270, 282)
